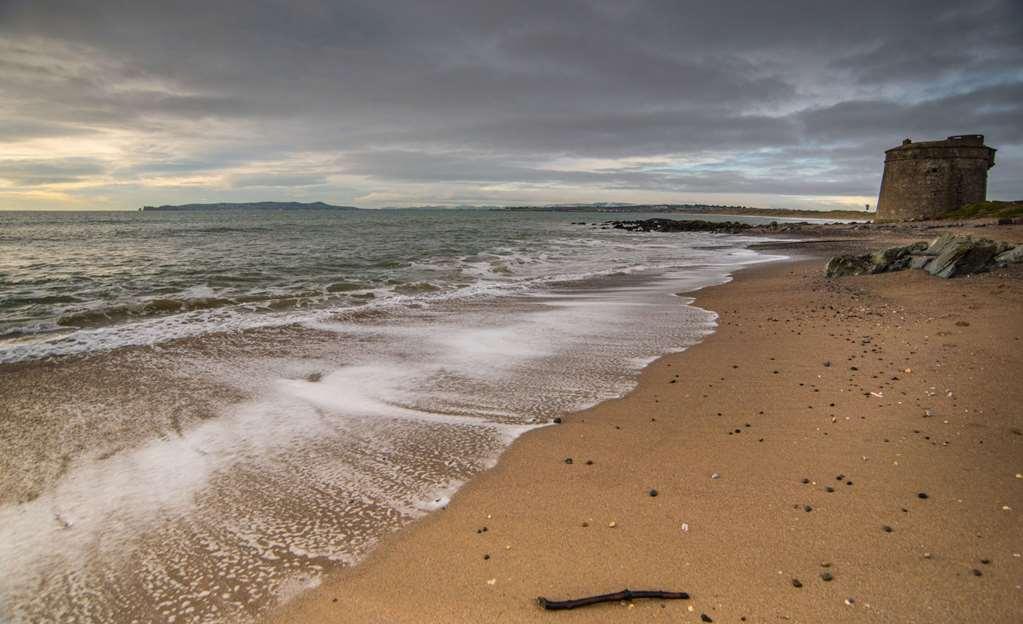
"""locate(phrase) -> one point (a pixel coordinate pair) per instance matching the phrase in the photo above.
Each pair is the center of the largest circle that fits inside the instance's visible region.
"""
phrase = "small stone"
(557, 420)
(927, 555)
(827, 577)
(976, 572)
(985, 561)
(492, 581)
(850, 601)
(796, 583)
(653, 493)
(486, 557)
(568, 460)
(589, 462)
(805, 481)
(887, 529)
(807, 508)
(705, 618)
(715, 476)
(829, 489)
(922, 496)
(612, 524)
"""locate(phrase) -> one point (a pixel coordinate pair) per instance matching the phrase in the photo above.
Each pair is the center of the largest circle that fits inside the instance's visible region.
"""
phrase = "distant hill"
(702, 209)
(249, 206)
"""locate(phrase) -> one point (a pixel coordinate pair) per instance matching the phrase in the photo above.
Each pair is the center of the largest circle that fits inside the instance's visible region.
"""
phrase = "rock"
(882, 261)
(677, 225)
(653, 493)
(949, 255)
(1012, 256)
(827, 577)
(961, 255)
(706, 618)
(568, 460)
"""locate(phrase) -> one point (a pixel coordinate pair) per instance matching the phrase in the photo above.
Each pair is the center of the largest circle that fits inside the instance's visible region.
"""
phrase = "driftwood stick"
(626, 594)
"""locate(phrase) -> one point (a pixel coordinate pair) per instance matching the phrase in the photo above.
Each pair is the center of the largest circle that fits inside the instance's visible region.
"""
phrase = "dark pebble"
(922, 495)
(485, 557)
(807, 508)
(985, 561)
(568, 460)
(797, 583)
(840, 477)
(977, 572)
(829, 489)
(805, 481)
(827, 577)
(705, 618)
(887, 529)
(653, 492)
(589, 462)
(557, 421)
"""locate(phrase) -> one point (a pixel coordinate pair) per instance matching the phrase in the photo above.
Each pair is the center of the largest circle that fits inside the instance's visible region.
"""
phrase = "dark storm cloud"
(785, 98)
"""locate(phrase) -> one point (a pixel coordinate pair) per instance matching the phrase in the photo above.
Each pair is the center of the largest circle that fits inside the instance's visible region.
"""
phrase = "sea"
(203, 413)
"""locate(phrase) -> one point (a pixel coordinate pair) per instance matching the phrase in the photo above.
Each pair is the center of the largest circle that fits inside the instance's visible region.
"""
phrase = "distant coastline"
(701, 209)
(248, 206)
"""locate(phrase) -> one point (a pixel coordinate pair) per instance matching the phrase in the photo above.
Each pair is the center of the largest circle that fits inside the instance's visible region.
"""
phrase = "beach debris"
(624, 595)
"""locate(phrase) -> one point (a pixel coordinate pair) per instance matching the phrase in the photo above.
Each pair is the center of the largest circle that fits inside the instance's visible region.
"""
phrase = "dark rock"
(887, 529)
(706, 618)
(677, 225)
(796, 583)
(568, 460)
(827, 577)
(922, 495)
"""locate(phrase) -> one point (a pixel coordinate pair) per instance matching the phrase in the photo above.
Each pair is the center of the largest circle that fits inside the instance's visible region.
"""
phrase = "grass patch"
(987, 210)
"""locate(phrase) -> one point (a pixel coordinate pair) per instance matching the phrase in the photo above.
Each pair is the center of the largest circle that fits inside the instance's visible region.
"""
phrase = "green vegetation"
(987, 210)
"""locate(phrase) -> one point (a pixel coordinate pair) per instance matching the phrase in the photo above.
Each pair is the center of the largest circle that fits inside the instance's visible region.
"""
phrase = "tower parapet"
(929, 179)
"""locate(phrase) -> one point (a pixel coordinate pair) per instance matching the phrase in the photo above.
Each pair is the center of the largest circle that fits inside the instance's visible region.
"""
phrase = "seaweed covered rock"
(882, 261)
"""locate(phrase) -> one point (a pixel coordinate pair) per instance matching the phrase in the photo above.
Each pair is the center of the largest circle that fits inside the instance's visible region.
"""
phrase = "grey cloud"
(33, 172)
(797, 97)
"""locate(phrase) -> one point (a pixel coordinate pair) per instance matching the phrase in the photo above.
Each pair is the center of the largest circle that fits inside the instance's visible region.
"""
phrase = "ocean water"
(202, 413)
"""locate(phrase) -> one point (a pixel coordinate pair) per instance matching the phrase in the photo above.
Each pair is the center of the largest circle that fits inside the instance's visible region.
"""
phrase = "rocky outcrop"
(949, 255)
(676, 225)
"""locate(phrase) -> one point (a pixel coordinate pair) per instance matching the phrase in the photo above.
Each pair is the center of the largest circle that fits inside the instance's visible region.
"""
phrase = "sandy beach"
(841, 450)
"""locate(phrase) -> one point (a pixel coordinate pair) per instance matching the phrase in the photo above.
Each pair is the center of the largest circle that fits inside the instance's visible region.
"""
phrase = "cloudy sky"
(112, 105)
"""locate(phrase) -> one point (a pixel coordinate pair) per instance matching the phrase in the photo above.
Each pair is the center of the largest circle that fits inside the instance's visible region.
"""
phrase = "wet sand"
(838, 451)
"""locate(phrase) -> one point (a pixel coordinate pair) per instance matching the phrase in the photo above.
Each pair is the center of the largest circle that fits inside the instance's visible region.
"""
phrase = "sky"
(115, 105)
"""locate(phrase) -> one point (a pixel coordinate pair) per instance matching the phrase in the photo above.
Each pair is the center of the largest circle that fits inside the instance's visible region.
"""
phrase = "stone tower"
(927, 180)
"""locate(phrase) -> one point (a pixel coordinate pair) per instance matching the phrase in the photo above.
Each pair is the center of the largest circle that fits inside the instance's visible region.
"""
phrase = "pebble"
(715, 476)
(612, 524)
(805, 481)
(653, 493)
(796, 583)
(705, 618)
(807, 508)
(829, 489)
(568, 460)
(887, 529)
(827, 577)
(922, 495)
(977, 572)
(485, 557)
(850, 601)
(557, 420)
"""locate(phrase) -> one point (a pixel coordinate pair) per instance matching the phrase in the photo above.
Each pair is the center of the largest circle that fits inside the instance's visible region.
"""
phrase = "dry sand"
(867, 428)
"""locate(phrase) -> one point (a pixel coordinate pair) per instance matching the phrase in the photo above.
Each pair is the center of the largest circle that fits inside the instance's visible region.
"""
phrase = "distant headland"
(249, 206)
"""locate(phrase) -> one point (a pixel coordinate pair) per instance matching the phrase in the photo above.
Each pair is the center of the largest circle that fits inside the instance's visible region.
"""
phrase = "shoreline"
(748, 533)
